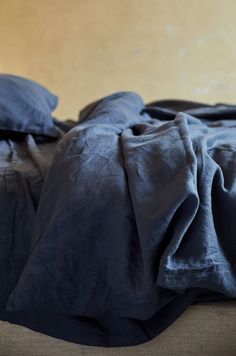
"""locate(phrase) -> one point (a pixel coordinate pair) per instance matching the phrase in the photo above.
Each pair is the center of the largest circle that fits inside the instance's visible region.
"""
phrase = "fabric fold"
(135, 221)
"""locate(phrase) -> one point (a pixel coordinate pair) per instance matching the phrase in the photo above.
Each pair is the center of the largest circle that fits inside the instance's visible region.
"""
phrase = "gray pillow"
(26, 106)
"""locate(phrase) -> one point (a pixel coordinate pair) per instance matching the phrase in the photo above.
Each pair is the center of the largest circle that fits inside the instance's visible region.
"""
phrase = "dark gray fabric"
(26, 106)
(132, 219)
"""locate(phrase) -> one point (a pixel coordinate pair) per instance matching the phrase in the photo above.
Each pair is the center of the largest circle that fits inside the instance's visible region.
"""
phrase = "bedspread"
(134, 220)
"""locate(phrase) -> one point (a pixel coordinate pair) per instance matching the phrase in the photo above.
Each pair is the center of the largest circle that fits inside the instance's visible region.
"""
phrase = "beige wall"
(85, 49)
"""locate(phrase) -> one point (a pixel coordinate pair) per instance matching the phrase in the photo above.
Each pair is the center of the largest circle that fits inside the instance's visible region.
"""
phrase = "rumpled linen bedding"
(109, 232)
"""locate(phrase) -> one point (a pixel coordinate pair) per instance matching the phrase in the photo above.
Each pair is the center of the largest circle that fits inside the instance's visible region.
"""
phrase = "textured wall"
(84, 49)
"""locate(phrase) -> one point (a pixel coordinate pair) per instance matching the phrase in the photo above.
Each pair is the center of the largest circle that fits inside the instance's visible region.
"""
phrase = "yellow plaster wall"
(85, 49)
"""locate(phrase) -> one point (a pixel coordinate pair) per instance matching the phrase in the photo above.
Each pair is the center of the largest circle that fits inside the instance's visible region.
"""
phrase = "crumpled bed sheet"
(120, 224)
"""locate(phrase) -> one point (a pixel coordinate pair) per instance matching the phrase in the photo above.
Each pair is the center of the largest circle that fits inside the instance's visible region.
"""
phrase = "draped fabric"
(134, 221)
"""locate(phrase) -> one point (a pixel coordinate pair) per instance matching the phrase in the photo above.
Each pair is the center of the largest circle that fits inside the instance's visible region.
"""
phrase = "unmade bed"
(114, 225)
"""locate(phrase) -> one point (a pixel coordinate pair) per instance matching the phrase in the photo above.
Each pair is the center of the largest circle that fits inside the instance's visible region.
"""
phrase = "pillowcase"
(26, 106)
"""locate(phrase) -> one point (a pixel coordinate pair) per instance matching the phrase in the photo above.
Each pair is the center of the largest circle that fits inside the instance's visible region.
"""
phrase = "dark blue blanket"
(134, 221)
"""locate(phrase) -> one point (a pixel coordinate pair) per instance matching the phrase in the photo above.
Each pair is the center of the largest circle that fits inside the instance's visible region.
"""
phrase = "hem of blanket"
(103, 332)
(217, 277)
